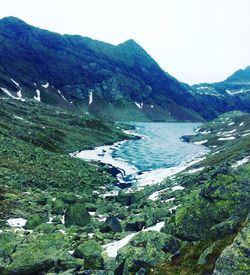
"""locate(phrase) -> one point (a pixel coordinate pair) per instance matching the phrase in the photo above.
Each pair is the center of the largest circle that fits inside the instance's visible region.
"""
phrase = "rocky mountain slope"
(113, 82)
(231, 94)
(59, 214)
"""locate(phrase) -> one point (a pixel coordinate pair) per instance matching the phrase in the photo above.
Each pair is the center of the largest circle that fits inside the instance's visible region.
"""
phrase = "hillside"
(113, 82)
(60, 214)
(228, 95)
(240, 76)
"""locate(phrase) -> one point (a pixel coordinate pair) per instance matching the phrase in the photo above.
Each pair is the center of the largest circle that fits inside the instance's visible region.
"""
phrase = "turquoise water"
(162, 147)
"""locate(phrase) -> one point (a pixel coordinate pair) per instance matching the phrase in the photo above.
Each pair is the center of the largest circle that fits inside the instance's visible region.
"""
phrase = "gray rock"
(235, 259)
(77, 215)
(111, 224)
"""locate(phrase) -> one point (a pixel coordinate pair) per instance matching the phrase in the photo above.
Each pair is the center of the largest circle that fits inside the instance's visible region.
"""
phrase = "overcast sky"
(194, 40)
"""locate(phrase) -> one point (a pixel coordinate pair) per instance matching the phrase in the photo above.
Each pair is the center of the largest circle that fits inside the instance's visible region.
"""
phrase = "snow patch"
(92, 213)
(18, 117)
(159, 175)
(37, 97)
(16, 222)
(59, 92)
(45, 85)
(103, 154)
(139, 105)
(154, 196)
(241, 162)
(205, 132)
(200, 142)
(173, 208)
(17, 84)
(111, 249)
(192, 171)
(62, 231)
(90, 98)
(19, 94)
(177, 187)
(7, 92)
(113, 193)
(230, 132)
(226, 138)
(237, 91)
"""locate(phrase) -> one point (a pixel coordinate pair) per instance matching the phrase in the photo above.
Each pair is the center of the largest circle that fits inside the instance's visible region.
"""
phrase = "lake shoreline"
(129, 177)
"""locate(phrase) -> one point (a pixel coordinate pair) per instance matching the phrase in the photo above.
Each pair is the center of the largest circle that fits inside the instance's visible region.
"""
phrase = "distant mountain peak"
(131, 44)
(240, 76)
(12, 19)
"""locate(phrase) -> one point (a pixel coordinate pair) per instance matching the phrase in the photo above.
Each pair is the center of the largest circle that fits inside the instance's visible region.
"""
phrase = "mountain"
(240, 76)
(113, 82)
(228, 95)
(60, 214)
(120, 82)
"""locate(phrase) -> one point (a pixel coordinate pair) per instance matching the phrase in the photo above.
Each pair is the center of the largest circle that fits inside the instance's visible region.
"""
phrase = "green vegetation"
(69, 220)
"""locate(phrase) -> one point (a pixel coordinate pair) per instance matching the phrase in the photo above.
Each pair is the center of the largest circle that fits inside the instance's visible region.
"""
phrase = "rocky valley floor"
(60, 215)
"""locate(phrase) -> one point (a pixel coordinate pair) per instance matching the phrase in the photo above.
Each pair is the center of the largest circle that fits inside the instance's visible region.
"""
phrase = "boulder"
(135, 224)
(46, 228)
(34, 221)
(90, 251)
(235, 258)
(38, 254)
(77, 215)
(111, 224)
(68, 198)
(146, 250)
(58, 207)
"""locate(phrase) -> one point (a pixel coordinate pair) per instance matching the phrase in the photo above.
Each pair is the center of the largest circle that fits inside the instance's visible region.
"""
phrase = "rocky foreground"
(60, 215)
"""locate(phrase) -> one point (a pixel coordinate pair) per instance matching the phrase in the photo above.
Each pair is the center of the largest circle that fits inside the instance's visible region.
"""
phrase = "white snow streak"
(38, 96)
(16, 222)
(111, 249)
(90, 98)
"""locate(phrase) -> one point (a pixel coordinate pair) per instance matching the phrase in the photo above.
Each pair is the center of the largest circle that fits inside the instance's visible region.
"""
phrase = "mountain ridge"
(121, 82)
(118, 76)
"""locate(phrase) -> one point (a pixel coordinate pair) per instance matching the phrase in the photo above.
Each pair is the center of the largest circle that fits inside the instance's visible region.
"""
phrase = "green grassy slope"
(44, 185)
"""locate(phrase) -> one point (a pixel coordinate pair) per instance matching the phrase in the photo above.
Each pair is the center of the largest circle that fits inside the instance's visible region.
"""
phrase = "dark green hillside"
(229, 95)
(214, 209)
(36, 140)
(117, 76)
(72, 213)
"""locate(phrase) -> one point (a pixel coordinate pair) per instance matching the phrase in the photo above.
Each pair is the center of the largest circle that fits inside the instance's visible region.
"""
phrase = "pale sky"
(193, 40)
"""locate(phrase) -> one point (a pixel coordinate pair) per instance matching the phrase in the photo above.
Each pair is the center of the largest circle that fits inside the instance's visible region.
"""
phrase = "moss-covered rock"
(8, 242)
(77, 215)
(34, 221)
(58, 207)
(111, 224)
(39, 254)
(136, 223)
(45, 228)
(68, 198)
(219, 200)
(235, 258)
(90, 251)
(146, 250)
